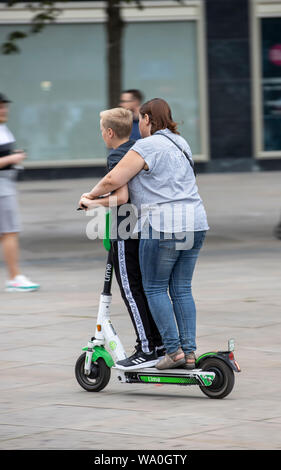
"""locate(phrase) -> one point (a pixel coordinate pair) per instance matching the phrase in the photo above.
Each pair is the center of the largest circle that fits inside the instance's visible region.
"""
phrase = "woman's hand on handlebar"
(87, 195)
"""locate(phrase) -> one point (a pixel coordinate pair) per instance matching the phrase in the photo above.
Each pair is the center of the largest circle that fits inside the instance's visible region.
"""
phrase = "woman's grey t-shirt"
(166, 195)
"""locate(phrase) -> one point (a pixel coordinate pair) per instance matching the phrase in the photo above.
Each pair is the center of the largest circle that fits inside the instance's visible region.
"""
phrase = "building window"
(58, 81)
(154, 64)
(266, 73)
(57, 85)
(271, 83)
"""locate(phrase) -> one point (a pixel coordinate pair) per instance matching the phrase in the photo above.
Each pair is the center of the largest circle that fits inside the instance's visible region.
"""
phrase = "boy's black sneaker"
(139, 360)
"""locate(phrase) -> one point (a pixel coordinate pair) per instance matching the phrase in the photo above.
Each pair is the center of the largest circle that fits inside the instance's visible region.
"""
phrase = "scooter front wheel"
(99, 375)
(224, 378)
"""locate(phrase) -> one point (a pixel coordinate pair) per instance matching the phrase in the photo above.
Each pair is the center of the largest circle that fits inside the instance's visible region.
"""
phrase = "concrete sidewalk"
(237, 290)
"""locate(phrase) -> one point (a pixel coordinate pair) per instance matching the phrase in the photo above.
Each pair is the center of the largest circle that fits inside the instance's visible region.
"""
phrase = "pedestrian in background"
(9, 212)
(132, 100)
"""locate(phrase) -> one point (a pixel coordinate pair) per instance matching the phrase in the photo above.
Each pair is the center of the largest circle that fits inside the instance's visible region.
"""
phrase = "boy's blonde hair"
(120, 120)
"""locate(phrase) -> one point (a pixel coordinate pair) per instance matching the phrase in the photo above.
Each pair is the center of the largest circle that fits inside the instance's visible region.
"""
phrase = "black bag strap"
(185, 153)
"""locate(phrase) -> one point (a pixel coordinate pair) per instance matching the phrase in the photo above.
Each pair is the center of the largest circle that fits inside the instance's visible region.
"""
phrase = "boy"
(116, 126)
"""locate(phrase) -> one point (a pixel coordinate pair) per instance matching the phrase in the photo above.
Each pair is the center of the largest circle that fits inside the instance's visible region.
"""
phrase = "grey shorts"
(9, 215)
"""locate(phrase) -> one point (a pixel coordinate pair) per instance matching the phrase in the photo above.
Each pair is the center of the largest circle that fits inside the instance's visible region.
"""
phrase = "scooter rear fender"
(99, 351)
(225, 356)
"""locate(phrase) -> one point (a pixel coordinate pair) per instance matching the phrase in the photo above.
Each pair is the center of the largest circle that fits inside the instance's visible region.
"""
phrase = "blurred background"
(216, 62)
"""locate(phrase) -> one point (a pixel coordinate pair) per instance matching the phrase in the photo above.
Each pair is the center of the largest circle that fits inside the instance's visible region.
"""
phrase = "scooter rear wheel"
(224, 379)
(98, 378)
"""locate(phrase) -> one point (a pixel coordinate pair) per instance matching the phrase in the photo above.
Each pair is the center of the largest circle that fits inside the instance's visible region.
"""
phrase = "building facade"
(217, 63)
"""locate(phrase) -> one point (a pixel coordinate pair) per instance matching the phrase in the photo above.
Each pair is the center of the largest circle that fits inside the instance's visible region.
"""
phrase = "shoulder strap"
(185, 153)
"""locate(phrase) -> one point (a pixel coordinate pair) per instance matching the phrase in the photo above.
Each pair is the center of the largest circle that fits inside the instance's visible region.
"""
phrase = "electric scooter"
(214, 372)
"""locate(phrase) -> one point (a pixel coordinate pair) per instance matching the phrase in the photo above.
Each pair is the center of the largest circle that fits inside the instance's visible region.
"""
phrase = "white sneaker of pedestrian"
(21, 283)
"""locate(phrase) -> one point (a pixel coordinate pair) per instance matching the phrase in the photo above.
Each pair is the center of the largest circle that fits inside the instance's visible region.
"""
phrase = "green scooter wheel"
(224, 379)
(98, 378)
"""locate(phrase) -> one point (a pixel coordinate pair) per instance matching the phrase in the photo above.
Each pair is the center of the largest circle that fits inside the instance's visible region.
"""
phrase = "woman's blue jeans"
(166, 268)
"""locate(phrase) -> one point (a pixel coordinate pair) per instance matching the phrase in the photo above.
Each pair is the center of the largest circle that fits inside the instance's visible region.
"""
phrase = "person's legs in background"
(10, 247)
(17, 281)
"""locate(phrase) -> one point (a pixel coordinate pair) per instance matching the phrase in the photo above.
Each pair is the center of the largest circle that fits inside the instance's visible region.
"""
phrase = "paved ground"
(237, 290)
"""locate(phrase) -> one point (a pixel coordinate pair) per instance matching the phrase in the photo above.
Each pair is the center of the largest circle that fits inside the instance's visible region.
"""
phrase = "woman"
(160, 176)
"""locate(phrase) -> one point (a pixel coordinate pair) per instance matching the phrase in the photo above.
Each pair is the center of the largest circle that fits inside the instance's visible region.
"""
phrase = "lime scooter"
(214, 371)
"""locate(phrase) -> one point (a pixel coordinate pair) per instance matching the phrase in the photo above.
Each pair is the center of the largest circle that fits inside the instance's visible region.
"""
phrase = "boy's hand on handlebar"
(83, 202)
(86, 203)
(86, 196)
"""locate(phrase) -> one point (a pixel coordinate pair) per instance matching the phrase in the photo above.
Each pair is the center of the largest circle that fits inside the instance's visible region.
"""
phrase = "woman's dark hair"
(160, 115)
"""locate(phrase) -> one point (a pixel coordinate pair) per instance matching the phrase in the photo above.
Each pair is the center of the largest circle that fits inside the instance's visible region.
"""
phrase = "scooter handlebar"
(82, 208)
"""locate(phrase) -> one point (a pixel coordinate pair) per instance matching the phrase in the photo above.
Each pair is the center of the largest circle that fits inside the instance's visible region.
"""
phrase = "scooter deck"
(166, 376)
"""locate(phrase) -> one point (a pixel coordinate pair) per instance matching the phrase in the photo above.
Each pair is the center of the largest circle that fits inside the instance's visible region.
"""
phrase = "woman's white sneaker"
(21, 283)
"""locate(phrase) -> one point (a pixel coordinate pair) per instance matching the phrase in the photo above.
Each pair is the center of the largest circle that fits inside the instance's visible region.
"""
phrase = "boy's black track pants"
(125, 258)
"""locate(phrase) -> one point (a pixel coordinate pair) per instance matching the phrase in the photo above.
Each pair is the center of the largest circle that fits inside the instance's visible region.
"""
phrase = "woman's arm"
(130, 165)
(120, 196)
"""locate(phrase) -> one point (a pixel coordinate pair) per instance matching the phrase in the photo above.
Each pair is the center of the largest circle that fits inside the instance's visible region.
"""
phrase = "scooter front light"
(99, 327)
